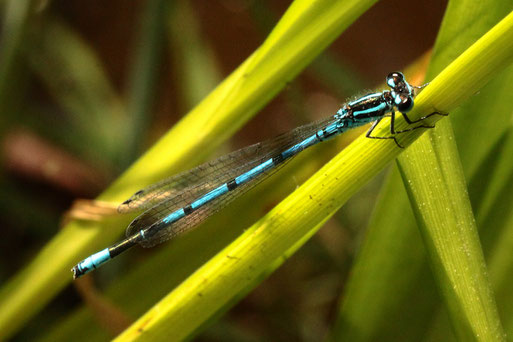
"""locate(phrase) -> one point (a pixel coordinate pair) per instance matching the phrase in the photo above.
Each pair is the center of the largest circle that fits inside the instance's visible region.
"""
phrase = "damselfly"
(181, 202)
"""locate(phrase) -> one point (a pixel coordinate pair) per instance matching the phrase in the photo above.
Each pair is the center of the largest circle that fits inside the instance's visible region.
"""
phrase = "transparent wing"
(158, 212)
(176, 192)
(207, 176)
(193, 181)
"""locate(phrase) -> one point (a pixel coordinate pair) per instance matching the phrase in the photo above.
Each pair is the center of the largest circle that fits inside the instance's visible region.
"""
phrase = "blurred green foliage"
(86, 88)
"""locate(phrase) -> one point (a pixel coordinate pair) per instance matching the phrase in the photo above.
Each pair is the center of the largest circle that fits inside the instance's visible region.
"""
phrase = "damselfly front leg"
(393, 131)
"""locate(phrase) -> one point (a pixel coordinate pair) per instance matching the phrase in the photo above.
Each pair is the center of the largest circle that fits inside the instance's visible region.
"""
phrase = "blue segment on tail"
(175, 216)
(92, 262)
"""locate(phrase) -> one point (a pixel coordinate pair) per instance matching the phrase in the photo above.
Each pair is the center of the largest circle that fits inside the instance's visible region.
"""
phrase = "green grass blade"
(444, 214)
(376, 303)
(304, 31)
(14, 26)
(494, 223)
(144, 72)
(499, 220)
(195, 60)
(72, 74)
(262, 247)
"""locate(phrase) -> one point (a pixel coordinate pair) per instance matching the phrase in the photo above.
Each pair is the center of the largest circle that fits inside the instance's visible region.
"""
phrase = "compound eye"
(406, 104)
(394, 78)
